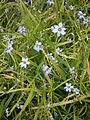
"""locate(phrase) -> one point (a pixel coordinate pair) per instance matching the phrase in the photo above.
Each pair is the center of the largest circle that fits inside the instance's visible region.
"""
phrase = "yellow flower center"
(59, 29)
(24, 62)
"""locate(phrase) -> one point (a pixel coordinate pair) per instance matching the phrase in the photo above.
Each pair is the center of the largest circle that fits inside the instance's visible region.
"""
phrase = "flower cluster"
(58, 50)
(86, 20)
(83, 16)
(19, 106)
(38, 46)
(71, 70)
(9, 48)
(46, 69)
(70, 88)
(59, 29)
(6, 37)
(50, 2)
(22, 30)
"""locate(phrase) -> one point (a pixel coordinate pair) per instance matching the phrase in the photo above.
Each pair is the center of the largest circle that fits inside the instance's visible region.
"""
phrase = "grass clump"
(44, 60)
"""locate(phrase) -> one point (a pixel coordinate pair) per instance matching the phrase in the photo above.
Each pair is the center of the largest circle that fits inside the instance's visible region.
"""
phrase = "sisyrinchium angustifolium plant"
(44, 60)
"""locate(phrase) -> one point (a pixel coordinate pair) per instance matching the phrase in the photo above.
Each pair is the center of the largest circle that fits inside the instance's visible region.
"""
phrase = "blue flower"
(47, 70)
(38, 46)
(71, 7)
(19, 106)
(50, 2)
(71, 70)
(48, 107)
(6, 10)
(51, 117)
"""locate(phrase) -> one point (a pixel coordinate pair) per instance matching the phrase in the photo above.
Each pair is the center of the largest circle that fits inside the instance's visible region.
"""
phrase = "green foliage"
(44, 96)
